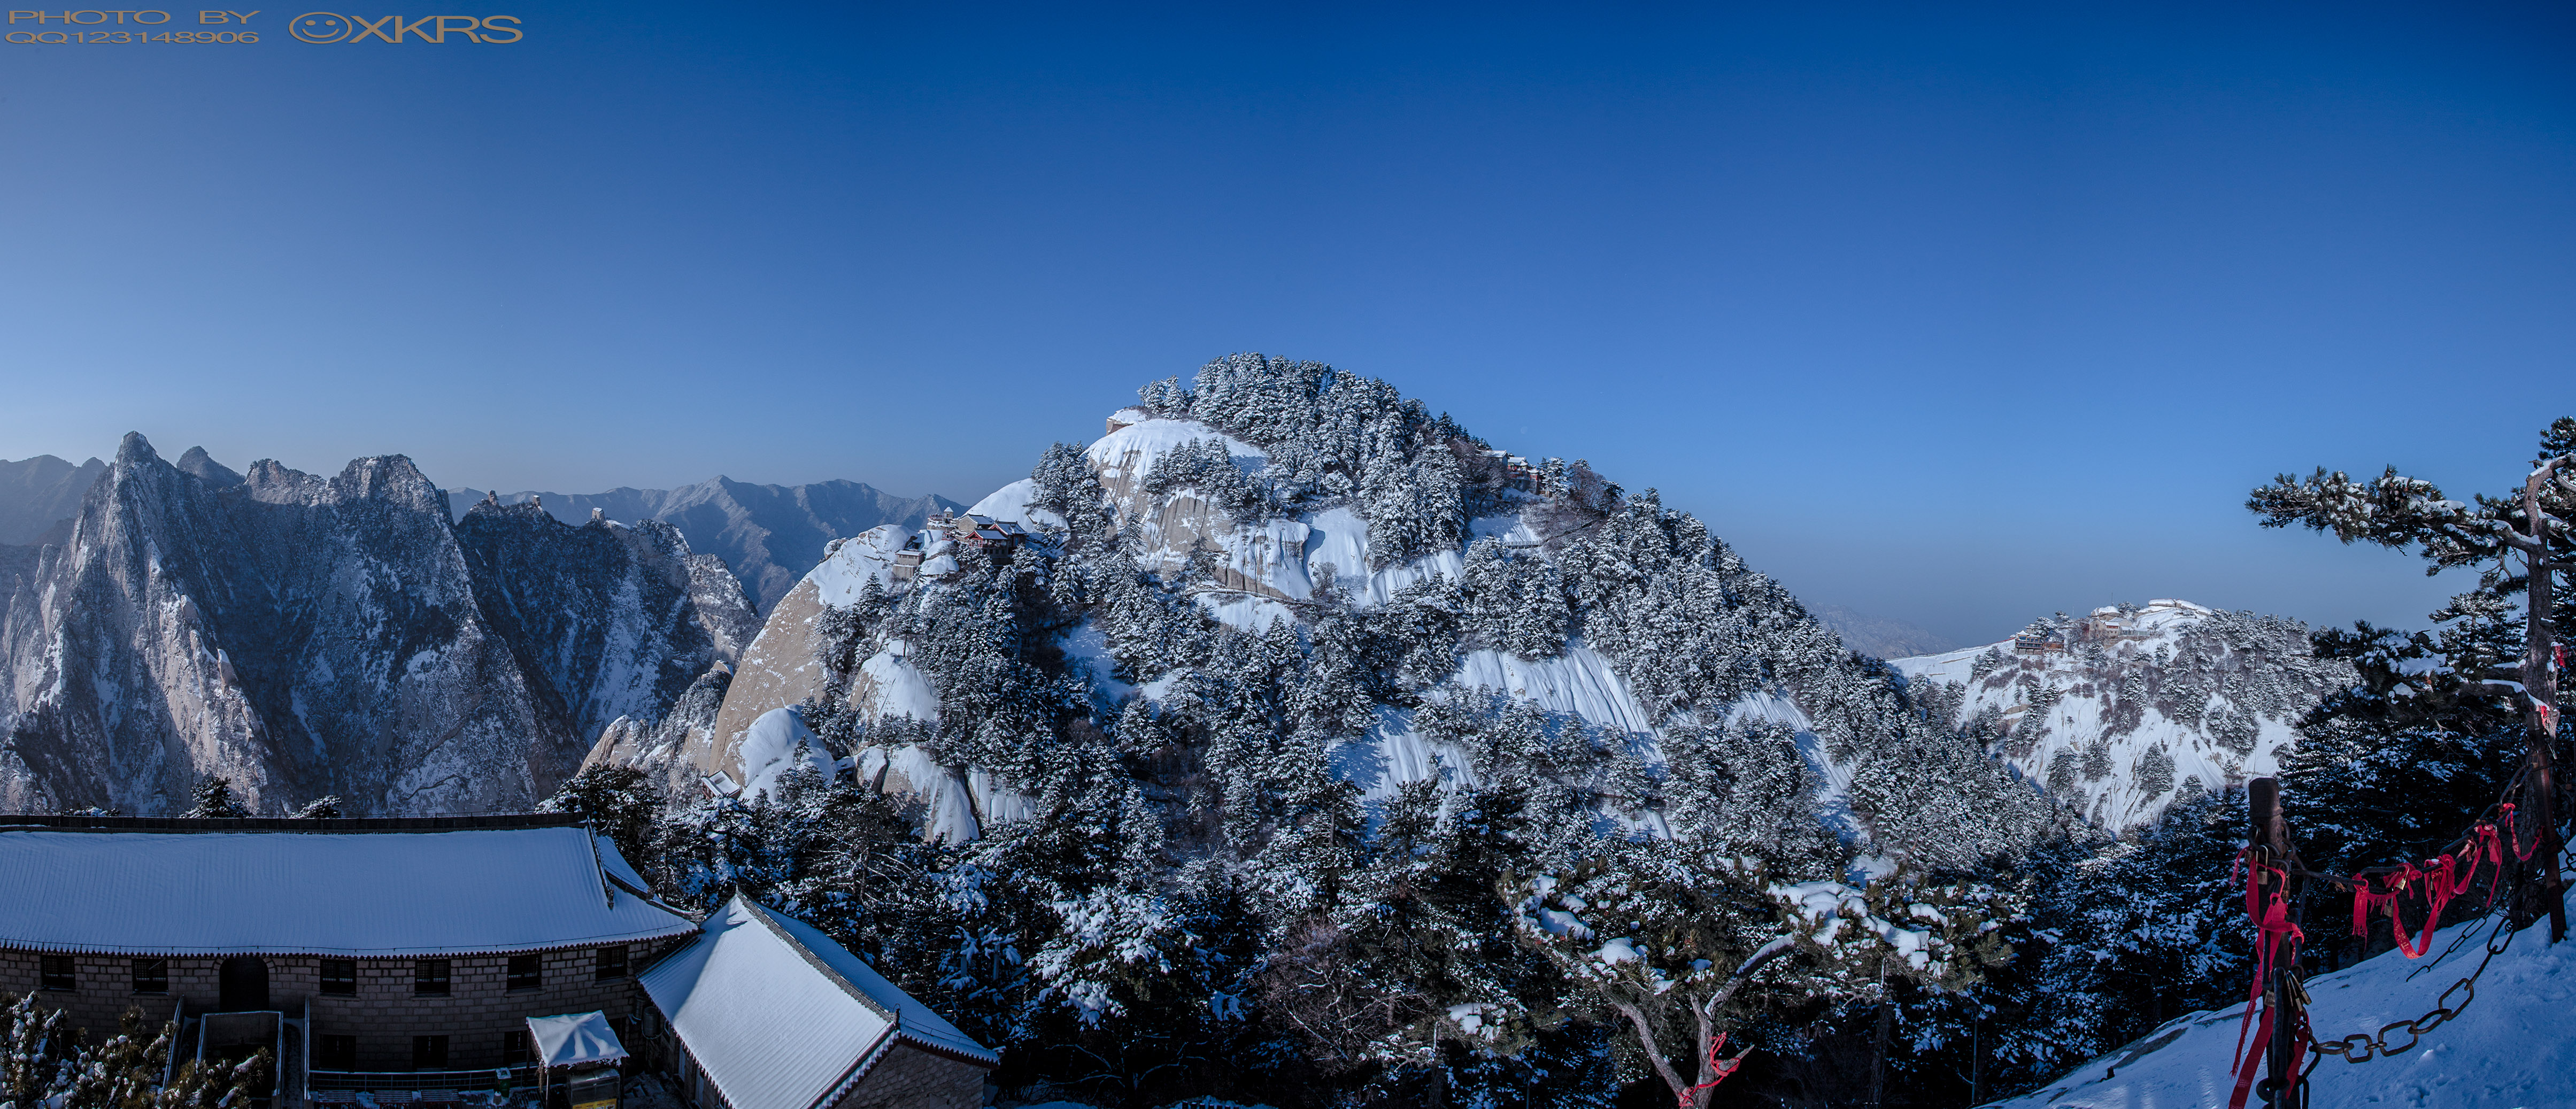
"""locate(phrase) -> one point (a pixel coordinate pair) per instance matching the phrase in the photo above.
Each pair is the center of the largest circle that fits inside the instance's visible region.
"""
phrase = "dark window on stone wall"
(151, 975)
(429, 977)
(515, 1050)
(527, 972)
(58, 973)
(340, 977)
(610, 965)
(429, 1053)
(335, 1053)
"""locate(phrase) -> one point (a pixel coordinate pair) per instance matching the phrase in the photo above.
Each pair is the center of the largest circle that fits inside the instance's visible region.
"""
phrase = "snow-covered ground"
(2503, 1051)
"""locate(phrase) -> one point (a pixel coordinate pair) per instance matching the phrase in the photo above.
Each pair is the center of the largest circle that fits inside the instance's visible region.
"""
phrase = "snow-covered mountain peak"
(1300, 582)
(2123, 710)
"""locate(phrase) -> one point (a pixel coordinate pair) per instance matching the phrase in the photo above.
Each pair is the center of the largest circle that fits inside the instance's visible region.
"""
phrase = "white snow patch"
(1136, 446)
(1086, 647)
(770, 749)
(2486, 1056)
(1579, 682)
(1243, 610)
(1011, 502)
(1339, 537)
(849, 563)
(949, 812)
(901, 689)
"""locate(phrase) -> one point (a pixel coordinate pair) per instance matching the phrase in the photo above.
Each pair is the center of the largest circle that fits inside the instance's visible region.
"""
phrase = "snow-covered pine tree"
(322, 808)
(214, 798)
(2488, 649)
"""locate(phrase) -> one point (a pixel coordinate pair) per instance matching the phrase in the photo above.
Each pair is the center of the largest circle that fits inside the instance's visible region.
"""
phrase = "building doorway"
(243, 984)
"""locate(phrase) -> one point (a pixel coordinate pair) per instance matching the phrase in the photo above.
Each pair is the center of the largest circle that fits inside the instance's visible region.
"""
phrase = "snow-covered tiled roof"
(163, 888)
(781, 1017)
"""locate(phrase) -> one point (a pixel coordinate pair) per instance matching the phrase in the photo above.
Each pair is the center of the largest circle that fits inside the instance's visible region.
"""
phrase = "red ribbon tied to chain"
(2275, 939)
(2440, 879)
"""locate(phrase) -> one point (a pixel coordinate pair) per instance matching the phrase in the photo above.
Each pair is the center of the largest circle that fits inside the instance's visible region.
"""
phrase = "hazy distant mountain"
(1881, 638)
(35, 493)
(770, 535)
(197, 463)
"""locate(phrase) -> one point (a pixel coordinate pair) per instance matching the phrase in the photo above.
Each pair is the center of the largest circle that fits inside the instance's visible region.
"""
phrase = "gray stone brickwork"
(384, 1015)
(910, 1078)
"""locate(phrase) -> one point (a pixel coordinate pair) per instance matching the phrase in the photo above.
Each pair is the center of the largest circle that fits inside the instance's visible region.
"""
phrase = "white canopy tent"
(575, 1039)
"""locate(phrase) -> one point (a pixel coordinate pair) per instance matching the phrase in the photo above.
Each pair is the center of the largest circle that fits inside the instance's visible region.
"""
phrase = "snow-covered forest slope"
(2123, 711)
(308, 636)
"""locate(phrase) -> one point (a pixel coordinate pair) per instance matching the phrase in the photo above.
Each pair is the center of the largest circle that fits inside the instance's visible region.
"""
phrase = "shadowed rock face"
(608, 621)
(769, 535)
(306, 636)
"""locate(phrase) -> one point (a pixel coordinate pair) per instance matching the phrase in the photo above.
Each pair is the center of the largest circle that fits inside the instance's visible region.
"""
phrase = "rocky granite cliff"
(309, 636)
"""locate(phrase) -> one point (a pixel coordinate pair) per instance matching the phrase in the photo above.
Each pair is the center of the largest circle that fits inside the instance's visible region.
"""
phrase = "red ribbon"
(2275, 938)
(1715, 1065)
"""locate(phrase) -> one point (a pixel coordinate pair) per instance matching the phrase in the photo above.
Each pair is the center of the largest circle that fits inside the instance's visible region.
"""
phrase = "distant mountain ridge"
(770, 535)
(2123, 712)
(307, 636)
(1879, 637)
(37, 493)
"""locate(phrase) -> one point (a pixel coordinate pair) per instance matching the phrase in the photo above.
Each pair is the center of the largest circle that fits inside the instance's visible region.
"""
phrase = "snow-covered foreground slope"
(2123, 711)
(2502, 1051)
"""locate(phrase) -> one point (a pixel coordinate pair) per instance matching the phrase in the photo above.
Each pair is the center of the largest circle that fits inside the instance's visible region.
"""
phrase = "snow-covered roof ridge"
(202, 888)
(782, 1017)
(914, 1021)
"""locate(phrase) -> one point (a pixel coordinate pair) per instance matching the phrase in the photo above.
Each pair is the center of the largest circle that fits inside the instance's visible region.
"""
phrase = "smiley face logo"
(319, 27)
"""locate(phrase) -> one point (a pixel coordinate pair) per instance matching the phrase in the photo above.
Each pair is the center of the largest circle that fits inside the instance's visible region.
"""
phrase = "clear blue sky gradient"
(1956, 318)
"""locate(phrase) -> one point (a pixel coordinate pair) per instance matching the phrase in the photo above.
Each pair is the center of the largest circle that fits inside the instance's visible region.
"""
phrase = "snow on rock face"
(1339, 538)
(842, 577)
(889, 685)
(948, 806)
(307, 635)
(2124, 710)
(779, 668)
(1011, 502)
(777, 743)
(1579, 682)
(1262, 559)
(659, 747)
(2486, 1056)
(589, 609)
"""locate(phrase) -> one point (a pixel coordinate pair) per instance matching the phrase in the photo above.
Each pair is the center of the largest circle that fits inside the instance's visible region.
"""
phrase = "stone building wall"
(385, 1014)
(910, 1078)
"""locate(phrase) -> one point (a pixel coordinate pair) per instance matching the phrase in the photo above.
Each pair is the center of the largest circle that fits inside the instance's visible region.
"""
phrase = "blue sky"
(1956, 317)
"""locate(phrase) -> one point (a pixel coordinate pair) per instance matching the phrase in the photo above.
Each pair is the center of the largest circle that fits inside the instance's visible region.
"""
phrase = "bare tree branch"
(1646, 1036)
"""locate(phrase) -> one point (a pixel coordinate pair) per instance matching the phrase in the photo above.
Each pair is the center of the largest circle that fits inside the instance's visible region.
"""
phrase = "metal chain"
(2362, 1047)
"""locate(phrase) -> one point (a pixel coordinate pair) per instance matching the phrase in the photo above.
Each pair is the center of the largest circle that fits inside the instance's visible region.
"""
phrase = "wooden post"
(2541, 685)
(2270, 832)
